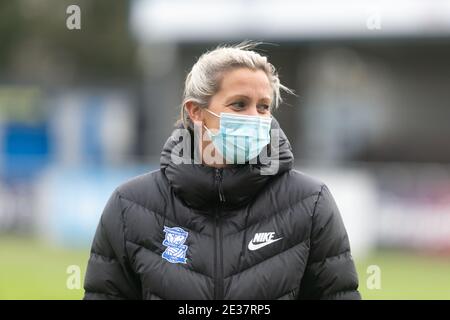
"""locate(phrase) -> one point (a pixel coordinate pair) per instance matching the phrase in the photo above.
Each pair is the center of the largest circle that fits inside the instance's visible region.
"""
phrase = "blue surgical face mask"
(240, 137)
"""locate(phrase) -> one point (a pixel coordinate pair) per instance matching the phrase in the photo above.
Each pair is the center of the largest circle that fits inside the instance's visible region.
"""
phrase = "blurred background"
(83, 110)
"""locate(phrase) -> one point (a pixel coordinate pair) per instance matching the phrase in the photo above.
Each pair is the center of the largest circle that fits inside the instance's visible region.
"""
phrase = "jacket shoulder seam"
(317, 200)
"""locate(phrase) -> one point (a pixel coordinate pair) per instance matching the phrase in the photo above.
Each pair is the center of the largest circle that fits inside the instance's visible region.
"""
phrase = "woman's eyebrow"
(238, 96)
(243, 96)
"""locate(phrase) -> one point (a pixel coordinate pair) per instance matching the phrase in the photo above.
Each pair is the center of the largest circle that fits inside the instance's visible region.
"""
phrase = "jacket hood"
(197, 184)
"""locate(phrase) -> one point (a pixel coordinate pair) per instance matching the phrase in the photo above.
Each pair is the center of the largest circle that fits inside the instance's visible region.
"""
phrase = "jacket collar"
(197, 184)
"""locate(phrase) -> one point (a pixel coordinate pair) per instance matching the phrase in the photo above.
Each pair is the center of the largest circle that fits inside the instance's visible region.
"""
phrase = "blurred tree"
(37, 45)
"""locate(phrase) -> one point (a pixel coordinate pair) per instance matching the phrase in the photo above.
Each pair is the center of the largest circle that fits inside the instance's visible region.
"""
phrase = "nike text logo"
(262, 239)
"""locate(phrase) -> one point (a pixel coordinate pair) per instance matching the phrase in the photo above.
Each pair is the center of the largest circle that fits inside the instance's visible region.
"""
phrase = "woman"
(226, 216)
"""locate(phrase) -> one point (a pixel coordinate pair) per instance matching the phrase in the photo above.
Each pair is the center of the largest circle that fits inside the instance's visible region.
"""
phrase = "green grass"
(407, 276)
(30, 269)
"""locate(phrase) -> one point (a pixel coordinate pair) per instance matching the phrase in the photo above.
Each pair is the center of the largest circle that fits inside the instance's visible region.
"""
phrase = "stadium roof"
(197, 20)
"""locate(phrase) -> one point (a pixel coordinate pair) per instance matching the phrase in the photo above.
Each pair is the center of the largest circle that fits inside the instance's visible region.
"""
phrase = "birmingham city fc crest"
(174, 241)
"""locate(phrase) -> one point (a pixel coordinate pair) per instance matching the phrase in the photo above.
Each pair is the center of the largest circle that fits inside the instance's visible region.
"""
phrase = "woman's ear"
(194, 111)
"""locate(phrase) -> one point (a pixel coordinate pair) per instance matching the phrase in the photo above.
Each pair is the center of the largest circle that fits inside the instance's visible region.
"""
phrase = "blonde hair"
(203, 81)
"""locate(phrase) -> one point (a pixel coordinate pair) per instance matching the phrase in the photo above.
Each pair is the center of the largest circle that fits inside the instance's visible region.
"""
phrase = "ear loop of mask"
(213, 113)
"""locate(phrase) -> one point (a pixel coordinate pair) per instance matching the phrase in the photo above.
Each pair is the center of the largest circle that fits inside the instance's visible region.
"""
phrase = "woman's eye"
(263, 107)
(238, 105)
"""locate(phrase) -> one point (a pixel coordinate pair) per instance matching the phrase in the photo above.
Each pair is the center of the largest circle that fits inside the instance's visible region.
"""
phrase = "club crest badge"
(174, 241)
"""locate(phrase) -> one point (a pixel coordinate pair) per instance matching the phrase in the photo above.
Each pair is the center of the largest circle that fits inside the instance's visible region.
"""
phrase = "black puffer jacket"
(190, 231)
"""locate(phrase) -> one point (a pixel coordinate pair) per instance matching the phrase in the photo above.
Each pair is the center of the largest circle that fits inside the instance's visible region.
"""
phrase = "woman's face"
(242, 91)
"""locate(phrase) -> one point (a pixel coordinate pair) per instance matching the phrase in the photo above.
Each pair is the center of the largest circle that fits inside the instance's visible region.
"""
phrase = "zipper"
(218, 248)
(219, 182)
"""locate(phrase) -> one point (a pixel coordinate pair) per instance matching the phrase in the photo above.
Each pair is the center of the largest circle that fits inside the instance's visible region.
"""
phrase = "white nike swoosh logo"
(252, 246)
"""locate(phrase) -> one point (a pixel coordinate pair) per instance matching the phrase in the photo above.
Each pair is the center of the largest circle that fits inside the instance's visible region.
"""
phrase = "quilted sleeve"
(108, 275)
(330, 272)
